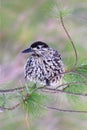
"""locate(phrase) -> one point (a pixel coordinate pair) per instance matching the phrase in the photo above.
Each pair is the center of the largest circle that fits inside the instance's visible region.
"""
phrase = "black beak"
(28, 50)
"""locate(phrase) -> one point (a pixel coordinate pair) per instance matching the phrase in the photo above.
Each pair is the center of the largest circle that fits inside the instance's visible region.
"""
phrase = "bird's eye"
(38, 47)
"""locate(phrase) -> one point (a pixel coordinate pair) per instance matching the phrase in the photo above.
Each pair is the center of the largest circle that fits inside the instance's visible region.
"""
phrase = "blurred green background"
(23, 22)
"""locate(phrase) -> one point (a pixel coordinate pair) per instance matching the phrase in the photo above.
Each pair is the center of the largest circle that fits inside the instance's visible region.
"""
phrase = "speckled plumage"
(44, 65)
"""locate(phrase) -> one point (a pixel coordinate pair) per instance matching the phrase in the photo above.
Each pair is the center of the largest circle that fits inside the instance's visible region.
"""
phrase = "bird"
(44, 65)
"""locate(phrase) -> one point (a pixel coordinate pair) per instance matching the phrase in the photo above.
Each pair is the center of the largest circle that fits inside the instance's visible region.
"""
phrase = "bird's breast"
(43, 70)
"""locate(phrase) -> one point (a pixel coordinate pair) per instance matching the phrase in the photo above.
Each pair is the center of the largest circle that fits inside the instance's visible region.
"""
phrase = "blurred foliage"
(78, 84)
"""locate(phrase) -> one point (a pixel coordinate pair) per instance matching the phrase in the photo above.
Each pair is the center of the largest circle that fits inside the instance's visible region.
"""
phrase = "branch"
(79, 73)
(2, 108)
(61, 91)
(71, 41)
(21, 89)
(11, 91)
(70, 84)
(50, 90)
(54, 108)
(65, 110)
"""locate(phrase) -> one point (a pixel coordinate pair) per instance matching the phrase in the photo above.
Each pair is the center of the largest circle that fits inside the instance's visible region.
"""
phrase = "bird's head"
(37, 48)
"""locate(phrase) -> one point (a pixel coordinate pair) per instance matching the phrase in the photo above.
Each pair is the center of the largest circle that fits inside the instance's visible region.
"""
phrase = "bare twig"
(64, 110)
(65, 92)
(67, 84)
(14, 107)
(71, 41)
(11, 91)
(2, 108)
(50, 90)
(79, 73)
(21, 89)
(57, 109)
